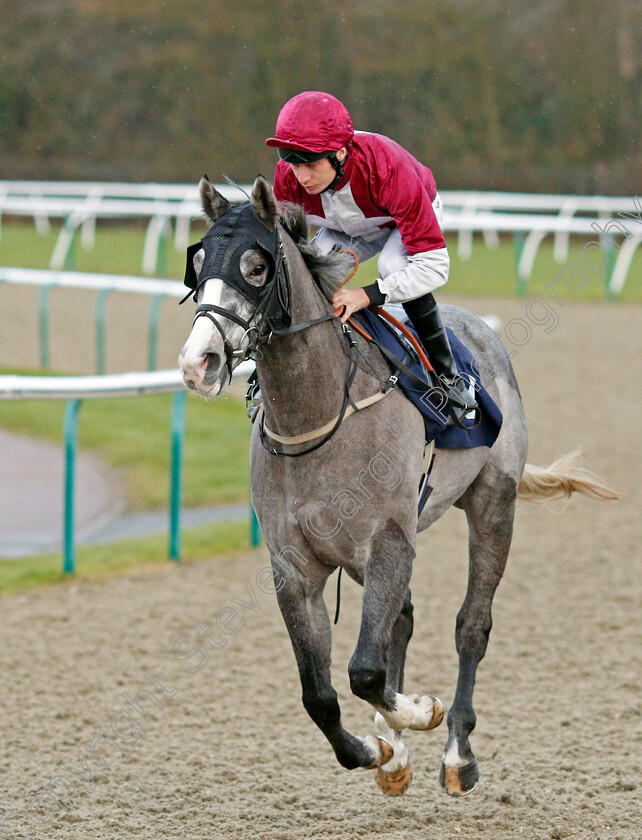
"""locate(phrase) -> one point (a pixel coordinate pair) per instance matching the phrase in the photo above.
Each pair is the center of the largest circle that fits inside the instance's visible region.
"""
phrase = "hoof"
(386, 751)
(438, 713)
(437, 716)
(395, 783)
(459, 781)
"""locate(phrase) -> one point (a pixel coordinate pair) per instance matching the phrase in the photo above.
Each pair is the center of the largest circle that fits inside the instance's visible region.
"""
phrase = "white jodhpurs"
(402, 277)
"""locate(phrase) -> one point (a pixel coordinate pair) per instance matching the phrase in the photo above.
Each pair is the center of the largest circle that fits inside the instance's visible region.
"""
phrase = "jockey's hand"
(352, 299)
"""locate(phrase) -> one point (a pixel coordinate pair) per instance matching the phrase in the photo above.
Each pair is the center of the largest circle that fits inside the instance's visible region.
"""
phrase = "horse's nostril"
(211, 362)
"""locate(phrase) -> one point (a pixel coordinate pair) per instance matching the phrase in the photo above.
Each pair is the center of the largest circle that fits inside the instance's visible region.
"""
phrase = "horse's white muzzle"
(203, 361)
(203, 372)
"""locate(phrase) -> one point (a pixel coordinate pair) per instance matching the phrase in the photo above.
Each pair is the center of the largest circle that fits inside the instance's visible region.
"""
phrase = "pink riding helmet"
(313, 121)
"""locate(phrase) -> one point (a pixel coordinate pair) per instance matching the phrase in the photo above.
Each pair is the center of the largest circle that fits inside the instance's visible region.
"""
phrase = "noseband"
(206, 309)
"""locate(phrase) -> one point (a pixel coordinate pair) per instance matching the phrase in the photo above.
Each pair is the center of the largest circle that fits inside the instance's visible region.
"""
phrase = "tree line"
(543, 97)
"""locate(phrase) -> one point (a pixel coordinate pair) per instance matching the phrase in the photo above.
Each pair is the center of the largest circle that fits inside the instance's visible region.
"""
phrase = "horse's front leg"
(307, 621)
(395, 777)
(376, 667)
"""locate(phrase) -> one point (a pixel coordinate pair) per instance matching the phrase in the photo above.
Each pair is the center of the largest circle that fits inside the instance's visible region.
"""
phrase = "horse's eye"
(258, 270)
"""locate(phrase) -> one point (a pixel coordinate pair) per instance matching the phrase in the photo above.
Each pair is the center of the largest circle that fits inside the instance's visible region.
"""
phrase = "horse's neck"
(303, 375)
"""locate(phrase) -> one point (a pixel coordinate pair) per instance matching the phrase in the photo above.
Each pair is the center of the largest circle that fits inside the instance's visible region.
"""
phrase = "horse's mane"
(328, 270)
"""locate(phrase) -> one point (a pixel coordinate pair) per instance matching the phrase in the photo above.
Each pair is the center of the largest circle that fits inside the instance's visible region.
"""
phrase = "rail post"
(64, 252)
(255, 528)
(611, 259)
(72, 407)
(101, 300)
(519, 240)
(161, 254)
(154, 311)
(176, 475)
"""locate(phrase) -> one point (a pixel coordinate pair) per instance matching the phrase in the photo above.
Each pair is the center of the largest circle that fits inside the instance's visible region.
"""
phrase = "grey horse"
(336, 459)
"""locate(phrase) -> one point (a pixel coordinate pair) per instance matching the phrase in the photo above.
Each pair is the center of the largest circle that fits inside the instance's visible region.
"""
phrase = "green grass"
(132, 435)
(119, 250)
(100, 563)
(492, 273)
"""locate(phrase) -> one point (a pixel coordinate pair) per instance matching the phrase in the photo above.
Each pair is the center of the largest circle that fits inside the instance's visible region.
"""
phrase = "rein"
(387, 317)
(349, 407)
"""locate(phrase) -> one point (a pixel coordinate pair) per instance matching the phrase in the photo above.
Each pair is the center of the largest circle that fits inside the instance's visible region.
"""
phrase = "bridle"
(237, 231)
(259, 332)
(206, 309)
(271, 315)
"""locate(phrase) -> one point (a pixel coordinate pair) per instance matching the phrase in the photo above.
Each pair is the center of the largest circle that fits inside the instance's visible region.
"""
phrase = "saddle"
(408, 373)
(425, 395)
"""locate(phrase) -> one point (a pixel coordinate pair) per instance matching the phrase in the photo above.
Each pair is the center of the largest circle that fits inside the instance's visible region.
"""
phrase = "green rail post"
(101, 318)
(176, 478)
(255, 528)
(72, 408)
(519, 240)
(43, 321)
(154, 312)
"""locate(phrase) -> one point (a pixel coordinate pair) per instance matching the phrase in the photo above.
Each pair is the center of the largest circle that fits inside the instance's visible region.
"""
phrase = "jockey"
(369, 195)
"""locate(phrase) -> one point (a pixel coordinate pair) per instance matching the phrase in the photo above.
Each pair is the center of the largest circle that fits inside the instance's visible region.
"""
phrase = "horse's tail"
(559, 481)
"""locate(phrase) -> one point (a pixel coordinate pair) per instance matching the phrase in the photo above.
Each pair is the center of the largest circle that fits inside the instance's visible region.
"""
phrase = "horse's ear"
(213, 203)
(263, 201)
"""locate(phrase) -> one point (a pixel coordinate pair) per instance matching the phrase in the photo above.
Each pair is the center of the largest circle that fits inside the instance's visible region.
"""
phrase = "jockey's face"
(316, 176)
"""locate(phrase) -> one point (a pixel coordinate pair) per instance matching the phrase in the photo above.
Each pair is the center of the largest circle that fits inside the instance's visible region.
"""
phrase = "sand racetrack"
(233, 754)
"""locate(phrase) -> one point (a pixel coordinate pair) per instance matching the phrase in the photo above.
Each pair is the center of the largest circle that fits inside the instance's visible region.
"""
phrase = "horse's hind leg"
(376, 667)
(307, 621)
(401, 635)
(490, 506)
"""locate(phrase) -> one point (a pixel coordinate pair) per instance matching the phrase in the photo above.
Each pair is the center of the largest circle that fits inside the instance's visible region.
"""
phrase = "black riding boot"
(424, 314)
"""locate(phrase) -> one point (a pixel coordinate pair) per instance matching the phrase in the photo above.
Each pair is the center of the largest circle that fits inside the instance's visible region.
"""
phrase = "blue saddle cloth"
(445, 437)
